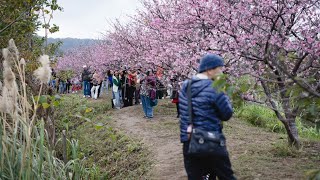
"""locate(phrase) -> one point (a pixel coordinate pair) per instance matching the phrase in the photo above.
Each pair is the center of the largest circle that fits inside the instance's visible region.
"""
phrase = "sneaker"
(84, 96)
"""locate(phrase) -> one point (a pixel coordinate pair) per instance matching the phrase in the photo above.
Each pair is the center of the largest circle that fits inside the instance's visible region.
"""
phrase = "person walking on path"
(86, 81)
(96, 82)
(209, 109)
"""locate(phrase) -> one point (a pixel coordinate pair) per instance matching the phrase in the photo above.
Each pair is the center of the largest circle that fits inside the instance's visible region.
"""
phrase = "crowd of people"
(63, 85)
(131, 86)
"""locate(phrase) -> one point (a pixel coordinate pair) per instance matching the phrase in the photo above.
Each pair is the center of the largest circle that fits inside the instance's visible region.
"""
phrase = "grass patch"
(165, 108)
(113, 154)
(281, 149)
(264, 117)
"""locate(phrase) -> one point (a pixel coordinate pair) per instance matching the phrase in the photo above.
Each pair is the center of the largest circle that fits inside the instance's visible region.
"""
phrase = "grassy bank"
(113, 154)
(261, 116)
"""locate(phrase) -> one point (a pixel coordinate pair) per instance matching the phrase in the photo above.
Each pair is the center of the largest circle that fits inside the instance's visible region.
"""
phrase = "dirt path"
(255, 153)
(163, 143)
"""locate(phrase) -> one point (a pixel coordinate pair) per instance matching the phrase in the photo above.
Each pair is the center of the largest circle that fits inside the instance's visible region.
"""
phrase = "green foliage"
(262, 116)
(20, 19)
(64, 75)
(47, 101)
(43, 164)
(309, 107)
(222, 84)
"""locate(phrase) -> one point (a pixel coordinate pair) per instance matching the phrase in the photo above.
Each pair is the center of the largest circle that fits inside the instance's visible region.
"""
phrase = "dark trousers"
(99, 90)
(199, 167)
(68, 88)
(137, 96)
(178, 113)
(130, 95)
(159, 94)
(127, 96)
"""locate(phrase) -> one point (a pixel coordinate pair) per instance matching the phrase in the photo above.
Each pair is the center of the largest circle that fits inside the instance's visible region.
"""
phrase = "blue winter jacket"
(209, 107)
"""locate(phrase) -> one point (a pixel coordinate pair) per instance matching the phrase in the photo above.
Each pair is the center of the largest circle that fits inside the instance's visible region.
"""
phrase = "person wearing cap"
(209, 109)
(86, 81)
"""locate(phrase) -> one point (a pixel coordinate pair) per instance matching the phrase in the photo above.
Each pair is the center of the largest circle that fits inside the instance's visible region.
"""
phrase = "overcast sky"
(89, 18)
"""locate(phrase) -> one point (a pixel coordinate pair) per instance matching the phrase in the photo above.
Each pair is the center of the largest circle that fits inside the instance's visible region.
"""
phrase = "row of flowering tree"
(276, 42)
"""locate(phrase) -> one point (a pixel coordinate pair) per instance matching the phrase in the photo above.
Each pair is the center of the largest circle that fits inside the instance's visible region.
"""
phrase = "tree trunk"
(292, 132)
(289, 120)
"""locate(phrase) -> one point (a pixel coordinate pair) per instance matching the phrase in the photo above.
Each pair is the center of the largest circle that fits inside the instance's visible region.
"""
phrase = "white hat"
(84, 66)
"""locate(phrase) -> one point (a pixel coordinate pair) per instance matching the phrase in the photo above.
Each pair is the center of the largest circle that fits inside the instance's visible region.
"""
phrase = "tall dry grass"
(24, 150)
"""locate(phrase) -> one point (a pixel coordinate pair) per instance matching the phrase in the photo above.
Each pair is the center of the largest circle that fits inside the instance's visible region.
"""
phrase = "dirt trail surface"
(163, 143)
(255, 153)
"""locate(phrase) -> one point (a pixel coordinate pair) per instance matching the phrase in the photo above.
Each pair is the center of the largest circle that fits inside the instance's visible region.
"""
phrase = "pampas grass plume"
(43, 73)
(22, 62)
(13, 47)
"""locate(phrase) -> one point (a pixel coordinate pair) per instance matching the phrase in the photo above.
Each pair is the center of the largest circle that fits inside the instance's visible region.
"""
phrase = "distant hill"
(70, 43)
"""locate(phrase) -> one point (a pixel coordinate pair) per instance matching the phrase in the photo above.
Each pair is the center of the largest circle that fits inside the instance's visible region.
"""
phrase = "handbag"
(204, 143)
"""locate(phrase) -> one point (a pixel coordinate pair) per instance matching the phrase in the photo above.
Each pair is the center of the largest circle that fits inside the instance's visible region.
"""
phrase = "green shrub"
(307, 132)
(259, 116)
(262, 116)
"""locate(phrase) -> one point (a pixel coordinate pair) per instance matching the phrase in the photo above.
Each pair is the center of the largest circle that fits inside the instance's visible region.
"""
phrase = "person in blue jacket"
(209, 109)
